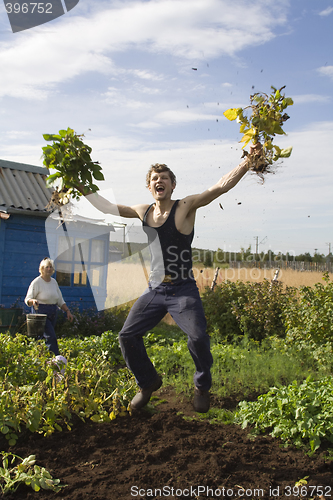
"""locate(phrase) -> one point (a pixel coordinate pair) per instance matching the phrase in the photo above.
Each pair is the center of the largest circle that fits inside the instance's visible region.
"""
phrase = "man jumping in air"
(169, 225)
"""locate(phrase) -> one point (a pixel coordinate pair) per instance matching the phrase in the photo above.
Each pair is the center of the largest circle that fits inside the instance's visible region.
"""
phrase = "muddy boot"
(201, 402)
(143, 397)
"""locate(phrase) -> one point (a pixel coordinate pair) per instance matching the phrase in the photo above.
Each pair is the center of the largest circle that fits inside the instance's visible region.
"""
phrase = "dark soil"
(136, 456)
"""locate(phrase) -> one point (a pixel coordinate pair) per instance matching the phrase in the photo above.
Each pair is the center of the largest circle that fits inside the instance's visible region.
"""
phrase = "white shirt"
(46, 292)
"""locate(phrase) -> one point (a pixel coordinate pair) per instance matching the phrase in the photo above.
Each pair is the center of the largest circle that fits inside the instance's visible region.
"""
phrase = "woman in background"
(45, 297)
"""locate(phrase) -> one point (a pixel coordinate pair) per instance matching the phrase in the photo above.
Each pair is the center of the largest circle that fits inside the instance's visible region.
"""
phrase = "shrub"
(218, 305)
(254, 310)
(310, 317)
(260, 310)
(90, 322)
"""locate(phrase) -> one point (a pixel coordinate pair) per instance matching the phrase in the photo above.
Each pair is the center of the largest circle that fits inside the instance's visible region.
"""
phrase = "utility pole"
(257, 244)
(329, 248)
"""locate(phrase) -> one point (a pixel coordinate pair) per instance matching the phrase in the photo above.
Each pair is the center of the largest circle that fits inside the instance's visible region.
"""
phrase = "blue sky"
(122, 73)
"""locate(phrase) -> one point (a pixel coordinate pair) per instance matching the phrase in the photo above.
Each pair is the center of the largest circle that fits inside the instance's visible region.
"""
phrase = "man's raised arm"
(105, 206)
(224, 185)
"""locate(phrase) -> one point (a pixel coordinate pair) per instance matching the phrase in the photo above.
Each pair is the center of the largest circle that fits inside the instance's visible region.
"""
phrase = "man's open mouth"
(160, 189)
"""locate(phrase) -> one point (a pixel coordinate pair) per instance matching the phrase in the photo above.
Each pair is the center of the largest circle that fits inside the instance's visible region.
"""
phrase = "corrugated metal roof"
(23, 186)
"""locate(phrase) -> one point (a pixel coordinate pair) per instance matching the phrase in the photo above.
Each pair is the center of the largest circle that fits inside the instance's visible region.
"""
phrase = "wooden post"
(274, 280)
(143, 266)
(215, 278)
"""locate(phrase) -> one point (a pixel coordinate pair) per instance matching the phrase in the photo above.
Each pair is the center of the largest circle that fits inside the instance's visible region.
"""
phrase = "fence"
(283, 264)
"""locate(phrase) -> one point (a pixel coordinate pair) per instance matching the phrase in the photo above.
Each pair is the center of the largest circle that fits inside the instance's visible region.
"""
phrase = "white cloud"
(40, 59)
(326, 71)
(326, 12)
(146, 75)
(117, 98)
(307, 98)
(172, 117)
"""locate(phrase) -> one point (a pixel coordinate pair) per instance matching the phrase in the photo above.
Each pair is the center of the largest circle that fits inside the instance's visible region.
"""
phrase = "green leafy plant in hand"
(260, 122)
(71, 159)
(26, 472)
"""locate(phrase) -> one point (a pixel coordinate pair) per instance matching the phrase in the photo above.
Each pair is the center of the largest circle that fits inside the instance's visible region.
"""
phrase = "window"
(79, 258)
(64, 275)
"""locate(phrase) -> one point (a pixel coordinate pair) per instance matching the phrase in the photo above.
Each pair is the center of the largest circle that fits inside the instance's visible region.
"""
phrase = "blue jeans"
(182, 301)
(51, 310)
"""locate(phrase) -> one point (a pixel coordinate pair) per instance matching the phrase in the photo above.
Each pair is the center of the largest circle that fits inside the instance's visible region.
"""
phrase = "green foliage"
(267, 116)
(249, 367)
(163, 335)
(26, 472)
(254, 310)
(34, 396)
(310, 317)
(167, 348)
(321, 354)
(241, 369)
(175, 362)
(215, 416)
(298, 414)
(260, 309)
(106, 345)
(90, 322)
(208, 260)
(218, 306)
(70, 157)
(250, 351)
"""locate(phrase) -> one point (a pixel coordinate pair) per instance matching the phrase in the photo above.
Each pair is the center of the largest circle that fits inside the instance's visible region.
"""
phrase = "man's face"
(160, 185)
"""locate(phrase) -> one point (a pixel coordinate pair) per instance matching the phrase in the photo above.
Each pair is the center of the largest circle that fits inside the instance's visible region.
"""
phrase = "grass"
(240, 369)
(249, 368)
(289, 277)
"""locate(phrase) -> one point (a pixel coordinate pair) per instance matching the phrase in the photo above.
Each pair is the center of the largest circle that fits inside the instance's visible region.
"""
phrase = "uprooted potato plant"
(76, 172)
(260, 122)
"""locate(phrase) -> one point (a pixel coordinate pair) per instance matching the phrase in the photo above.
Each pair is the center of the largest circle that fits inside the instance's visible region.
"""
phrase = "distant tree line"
(222, 258)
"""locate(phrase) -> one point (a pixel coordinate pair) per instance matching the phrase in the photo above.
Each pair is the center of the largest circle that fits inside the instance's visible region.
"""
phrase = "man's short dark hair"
(160, 167)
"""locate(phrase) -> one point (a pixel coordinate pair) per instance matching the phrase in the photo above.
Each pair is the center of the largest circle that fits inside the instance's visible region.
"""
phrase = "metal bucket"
(36, 324)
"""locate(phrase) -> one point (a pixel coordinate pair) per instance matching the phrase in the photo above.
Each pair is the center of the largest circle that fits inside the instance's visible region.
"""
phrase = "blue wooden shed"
(29, 231)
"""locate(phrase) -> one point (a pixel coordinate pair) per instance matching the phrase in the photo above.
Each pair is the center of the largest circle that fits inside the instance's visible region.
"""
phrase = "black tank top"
(170, 250)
